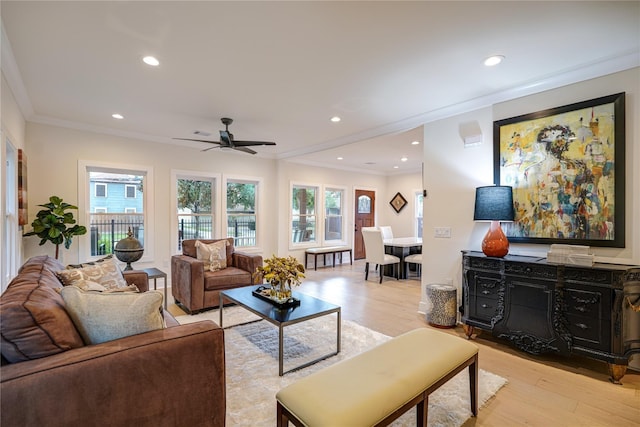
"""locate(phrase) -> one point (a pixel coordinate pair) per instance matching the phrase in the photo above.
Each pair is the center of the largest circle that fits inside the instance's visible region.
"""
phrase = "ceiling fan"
(227, 140)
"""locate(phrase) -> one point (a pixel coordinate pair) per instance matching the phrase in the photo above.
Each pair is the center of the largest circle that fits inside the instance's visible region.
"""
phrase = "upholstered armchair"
(195, 287)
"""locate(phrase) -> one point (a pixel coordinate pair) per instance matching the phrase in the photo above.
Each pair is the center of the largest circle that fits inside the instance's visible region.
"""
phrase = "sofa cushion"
(105, 272)
(213, 255)
(230, 277)
(102, 317)
(33, 319)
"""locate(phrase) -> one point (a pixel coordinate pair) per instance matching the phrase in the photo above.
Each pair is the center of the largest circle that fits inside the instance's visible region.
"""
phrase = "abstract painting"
(566, 167)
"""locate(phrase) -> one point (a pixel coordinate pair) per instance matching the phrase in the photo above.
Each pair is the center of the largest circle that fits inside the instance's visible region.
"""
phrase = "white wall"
(12, 127)
(54, 154)
(403, 222)
(452, 173)
(303, 174)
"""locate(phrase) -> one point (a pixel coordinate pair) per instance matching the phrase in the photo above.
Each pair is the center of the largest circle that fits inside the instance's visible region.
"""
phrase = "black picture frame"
(567, 169)
(398, 202)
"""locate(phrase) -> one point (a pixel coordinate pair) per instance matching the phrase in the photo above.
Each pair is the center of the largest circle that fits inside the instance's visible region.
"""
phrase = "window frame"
(216, 201)
(343, 240)
(317, 206)
(259, 233)
(84, 198)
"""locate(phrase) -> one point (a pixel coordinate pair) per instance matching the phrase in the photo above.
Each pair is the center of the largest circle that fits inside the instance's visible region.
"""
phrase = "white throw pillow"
(104, 272)
(101, 317)
(214, 255)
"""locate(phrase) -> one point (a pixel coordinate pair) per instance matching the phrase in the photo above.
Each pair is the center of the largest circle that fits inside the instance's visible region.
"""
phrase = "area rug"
(252, 367)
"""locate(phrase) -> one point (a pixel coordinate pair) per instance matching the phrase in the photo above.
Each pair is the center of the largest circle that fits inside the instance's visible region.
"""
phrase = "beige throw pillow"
(105, 272)
(214, 255)
(101, 317)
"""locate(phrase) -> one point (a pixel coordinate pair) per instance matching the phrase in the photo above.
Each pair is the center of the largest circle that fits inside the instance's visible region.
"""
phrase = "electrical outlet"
(442, 232)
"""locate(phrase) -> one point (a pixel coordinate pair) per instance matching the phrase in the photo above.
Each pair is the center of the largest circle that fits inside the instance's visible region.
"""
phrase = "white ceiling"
(281, 70)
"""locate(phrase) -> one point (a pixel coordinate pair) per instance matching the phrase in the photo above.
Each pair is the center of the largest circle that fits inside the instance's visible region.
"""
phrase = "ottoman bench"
(324, 251)
(378, 386)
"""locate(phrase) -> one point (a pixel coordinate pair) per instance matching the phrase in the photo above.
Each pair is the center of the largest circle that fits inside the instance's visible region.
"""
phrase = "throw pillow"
(214, 255)
(101, 317)
(104, 272)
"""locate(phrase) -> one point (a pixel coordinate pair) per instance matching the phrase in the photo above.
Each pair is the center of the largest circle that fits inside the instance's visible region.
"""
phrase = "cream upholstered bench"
(333, 250)
(378, 386)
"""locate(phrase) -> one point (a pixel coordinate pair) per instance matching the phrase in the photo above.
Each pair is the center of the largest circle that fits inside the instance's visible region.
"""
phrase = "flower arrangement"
(281, 273)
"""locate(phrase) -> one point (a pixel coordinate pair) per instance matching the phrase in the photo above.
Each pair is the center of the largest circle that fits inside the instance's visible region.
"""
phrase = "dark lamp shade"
(494, 203)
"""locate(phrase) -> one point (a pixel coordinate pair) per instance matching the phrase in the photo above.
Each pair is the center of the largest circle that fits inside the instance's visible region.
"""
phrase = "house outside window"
(242, 212)
(130, 191)
(109, 210)
(303, 213)
(100, 190)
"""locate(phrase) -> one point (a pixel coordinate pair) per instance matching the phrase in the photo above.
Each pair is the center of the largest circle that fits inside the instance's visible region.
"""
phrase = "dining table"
(402, 247)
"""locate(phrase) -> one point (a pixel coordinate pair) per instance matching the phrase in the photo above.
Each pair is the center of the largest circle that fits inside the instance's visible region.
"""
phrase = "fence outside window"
(107, 229)
(241, 227)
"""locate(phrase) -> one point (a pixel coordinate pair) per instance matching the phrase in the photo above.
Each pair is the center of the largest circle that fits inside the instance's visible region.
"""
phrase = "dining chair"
(413, 259)
(374, 253)
(387, 232)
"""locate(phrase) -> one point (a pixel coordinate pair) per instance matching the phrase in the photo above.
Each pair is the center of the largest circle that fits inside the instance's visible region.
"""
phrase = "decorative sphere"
(129, 250)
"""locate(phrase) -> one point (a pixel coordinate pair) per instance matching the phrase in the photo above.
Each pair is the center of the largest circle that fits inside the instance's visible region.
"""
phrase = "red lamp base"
(495, 243)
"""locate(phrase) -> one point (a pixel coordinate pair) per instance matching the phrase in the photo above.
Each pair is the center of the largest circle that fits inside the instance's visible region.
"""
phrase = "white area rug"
(252, 367)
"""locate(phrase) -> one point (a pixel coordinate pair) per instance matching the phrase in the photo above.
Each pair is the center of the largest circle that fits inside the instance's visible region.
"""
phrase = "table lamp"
(494, 203)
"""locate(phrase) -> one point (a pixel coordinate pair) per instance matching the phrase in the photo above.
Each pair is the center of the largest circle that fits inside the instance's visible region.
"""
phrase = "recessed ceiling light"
(335, 119)
(396, 167)
(403, 159)
(415, 143)
(340, 158)
(117, 116)
(150, 60)
(493, 60)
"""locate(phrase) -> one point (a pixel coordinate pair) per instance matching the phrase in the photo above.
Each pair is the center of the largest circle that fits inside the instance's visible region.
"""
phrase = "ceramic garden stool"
(443, 313)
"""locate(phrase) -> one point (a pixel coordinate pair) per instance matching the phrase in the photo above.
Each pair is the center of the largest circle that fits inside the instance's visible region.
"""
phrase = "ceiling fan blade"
(198, 140)
(211, 148)
(245, 149)
(251, 143)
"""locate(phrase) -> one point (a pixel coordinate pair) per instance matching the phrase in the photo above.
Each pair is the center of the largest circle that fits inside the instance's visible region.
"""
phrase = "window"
(10, 231)
(109, 209)
(101, 190)
(303, 214)
(195, 198)
(334, 214)
(419, 213)
(242, 214)
(130, 191)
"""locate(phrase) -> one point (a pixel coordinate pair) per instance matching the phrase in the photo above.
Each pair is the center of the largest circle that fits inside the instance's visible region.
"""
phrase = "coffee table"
(309, 308)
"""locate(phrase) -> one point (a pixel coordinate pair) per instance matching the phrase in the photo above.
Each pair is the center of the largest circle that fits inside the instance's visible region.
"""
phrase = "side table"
(156, 274)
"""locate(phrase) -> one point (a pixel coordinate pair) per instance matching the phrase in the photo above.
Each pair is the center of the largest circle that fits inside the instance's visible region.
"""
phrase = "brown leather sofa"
(143, 380)
(195, 289)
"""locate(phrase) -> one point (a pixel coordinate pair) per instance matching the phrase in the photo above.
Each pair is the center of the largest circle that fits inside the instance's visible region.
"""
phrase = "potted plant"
(281, 273)
(52, 224)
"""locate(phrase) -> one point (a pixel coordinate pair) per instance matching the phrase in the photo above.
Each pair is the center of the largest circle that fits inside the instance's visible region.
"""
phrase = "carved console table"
(542, 307)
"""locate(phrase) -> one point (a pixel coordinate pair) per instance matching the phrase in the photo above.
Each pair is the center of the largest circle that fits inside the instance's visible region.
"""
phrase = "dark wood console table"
(542, 307)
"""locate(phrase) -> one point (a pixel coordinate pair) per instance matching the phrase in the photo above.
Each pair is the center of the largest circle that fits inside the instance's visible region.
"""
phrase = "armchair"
(195, 289)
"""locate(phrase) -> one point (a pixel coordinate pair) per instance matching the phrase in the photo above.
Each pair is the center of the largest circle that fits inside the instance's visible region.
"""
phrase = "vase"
(280, 291)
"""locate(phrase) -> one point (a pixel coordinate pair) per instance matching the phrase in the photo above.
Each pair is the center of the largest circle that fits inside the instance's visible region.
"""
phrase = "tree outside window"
(241, 212)
(303, 203)
(195, 215)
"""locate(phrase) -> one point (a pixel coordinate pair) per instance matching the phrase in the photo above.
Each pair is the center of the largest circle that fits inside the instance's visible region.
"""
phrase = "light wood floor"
(541, 391)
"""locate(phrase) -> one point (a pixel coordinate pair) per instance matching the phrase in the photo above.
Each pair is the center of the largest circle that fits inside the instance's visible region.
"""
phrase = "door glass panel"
(364, 204)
